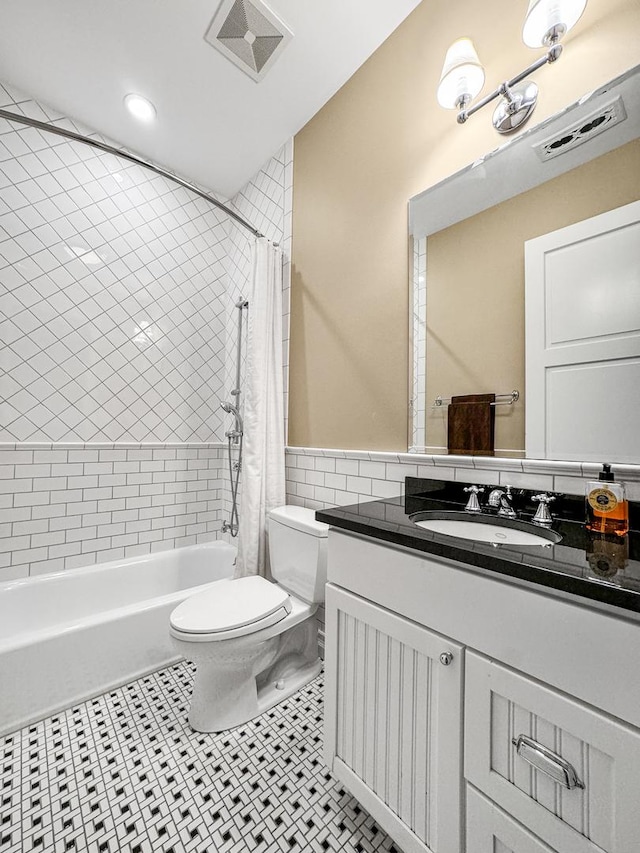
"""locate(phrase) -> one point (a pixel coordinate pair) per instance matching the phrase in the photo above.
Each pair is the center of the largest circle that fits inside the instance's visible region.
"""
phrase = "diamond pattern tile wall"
(112, 295)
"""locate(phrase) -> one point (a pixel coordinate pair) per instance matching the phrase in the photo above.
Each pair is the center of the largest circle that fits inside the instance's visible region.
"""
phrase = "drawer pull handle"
(547, 762)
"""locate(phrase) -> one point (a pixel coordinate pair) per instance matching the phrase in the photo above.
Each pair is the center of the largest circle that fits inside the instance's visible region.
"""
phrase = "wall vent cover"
(249, 34)
(590, 126)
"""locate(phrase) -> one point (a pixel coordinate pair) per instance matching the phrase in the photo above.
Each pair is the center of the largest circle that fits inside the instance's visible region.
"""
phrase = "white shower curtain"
(263, 478)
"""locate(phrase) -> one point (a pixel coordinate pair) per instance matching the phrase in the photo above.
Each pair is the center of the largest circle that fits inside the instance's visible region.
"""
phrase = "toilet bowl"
(254, 642)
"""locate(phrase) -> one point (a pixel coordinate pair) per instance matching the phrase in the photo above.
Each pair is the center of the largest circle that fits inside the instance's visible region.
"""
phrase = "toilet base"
(231, 691)
(222, 698)
(273, 692)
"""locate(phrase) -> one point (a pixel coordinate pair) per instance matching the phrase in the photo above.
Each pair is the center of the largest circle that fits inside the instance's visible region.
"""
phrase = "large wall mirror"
(526, 278)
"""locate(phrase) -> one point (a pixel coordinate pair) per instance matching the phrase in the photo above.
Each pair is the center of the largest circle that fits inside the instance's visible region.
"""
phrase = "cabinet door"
(393, 721)
(490, 830)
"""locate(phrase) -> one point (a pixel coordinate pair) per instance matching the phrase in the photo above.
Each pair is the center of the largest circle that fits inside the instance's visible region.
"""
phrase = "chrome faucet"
(473, 504)
(502, 499)
(543, 517)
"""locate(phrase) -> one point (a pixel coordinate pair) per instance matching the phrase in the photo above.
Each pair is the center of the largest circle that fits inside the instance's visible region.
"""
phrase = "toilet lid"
(230, 604)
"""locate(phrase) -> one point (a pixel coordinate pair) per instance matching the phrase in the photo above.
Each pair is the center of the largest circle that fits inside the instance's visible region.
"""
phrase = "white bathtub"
(67, 636)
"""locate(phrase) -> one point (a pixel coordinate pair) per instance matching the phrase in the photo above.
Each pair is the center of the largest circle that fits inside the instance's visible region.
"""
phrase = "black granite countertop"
(602, 570)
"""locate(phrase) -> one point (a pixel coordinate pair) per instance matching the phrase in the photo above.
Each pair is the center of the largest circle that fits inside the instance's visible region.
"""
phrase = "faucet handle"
(543, 515)
(473, 504)
(495, 495)
(543, 498)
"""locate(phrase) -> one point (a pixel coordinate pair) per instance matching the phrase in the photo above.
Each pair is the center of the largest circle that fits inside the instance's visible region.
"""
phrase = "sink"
(485, 528)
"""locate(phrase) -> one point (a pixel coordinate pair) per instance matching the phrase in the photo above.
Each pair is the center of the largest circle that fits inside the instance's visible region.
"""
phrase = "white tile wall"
(112, 295)
(117, 342)
(68, 505)
(318, 478)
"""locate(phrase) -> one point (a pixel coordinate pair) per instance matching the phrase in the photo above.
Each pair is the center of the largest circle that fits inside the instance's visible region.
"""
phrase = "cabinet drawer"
(600, 813)
(490, 830)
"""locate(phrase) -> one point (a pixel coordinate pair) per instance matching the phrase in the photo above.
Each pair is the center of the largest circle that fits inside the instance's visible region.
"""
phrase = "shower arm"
(103, 146)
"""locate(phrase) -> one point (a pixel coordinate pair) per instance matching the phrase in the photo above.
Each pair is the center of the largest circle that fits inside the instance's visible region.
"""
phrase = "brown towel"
(471, 425)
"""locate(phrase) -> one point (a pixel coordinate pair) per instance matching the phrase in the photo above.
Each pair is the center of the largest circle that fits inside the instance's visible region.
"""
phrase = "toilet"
(255, 642)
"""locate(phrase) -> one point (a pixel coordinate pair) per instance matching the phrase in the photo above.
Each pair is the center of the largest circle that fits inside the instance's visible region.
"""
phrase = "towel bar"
(512, 398)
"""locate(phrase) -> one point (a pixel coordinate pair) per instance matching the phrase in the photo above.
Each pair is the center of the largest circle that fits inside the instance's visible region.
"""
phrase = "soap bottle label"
(602, 500)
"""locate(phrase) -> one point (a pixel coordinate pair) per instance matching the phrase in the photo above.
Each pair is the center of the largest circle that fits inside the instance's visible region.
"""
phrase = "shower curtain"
(263, 478)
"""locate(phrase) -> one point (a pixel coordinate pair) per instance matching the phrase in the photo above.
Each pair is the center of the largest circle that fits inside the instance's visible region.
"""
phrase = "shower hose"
(234, 481)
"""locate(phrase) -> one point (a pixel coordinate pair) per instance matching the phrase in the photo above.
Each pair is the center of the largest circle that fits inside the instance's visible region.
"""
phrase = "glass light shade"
(140, 107)
(462, 74)
(544, 15)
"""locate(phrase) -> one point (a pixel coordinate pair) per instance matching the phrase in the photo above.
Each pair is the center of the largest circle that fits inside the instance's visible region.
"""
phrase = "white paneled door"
(582, 299)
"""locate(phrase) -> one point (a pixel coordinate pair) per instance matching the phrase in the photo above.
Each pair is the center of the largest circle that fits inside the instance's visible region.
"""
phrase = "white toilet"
(255, 642)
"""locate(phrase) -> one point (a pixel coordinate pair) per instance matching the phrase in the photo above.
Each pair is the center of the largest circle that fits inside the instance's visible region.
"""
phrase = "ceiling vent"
(590, 126)
(249, 34)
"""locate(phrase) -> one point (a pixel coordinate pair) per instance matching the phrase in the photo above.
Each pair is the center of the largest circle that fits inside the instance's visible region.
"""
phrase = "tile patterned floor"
(124, 772)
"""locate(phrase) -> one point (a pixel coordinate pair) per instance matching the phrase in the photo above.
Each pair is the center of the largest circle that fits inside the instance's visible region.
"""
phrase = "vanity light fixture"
(462, 78)
(140, 107)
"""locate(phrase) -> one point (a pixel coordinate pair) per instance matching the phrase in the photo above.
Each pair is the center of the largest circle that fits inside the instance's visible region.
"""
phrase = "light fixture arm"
(504, 89)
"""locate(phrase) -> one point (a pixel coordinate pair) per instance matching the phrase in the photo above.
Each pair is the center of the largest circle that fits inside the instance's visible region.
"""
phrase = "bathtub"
(67, 636)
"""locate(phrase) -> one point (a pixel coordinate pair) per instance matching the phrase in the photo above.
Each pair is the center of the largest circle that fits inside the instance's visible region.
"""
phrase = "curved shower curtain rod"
(77, 137)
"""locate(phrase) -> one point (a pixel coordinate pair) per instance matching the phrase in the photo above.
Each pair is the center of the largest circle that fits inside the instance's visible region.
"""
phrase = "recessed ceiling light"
(140, 107)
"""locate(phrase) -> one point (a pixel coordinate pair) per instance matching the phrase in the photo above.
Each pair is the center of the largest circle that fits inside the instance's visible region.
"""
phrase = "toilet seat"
(232, 608)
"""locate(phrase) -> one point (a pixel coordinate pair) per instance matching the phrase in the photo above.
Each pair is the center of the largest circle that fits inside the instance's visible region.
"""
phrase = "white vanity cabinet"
(473, 715)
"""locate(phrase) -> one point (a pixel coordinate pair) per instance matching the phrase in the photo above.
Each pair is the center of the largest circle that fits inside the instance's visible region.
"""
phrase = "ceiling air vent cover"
(594, 124)
(249, 34)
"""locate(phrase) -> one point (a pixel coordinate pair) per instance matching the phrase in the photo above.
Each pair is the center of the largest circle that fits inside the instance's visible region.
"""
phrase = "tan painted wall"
(475, 289)
(381, 139)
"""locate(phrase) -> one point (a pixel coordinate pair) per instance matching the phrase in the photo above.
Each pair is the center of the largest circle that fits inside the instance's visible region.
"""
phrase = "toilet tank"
(298, 552)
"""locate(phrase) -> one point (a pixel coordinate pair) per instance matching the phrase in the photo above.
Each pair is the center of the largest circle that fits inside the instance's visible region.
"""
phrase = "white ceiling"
(215, 125)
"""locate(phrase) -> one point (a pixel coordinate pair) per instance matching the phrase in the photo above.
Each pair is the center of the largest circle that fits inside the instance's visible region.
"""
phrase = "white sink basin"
(476, 528)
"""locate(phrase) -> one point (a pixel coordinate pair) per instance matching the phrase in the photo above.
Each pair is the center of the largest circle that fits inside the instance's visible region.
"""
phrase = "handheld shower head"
(230, 409)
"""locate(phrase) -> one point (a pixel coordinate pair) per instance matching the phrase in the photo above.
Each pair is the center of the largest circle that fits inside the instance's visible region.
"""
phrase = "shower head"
(230, 409)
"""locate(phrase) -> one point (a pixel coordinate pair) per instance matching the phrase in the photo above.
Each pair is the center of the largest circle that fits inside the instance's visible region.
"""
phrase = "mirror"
(468, 234)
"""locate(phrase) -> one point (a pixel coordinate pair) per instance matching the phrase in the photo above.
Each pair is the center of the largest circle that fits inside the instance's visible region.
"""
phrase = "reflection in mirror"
(470, 235)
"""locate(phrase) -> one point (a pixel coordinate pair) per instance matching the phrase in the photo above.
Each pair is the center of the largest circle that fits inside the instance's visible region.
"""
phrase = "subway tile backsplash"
(66, 506)
(318, 477)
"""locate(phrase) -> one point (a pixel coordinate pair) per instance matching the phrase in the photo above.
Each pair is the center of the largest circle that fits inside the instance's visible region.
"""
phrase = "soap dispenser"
(607, 510)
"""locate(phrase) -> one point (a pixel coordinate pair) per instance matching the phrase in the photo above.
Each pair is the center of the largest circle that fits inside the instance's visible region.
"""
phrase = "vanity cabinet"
(472, 715)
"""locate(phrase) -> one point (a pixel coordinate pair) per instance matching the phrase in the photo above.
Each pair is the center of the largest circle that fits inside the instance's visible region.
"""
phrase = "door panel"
(583, 339)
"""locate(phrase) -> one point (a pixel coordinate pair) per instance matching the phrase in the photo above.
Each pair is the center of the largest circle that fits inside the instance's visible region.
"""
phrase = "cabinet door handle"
(547, 762)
